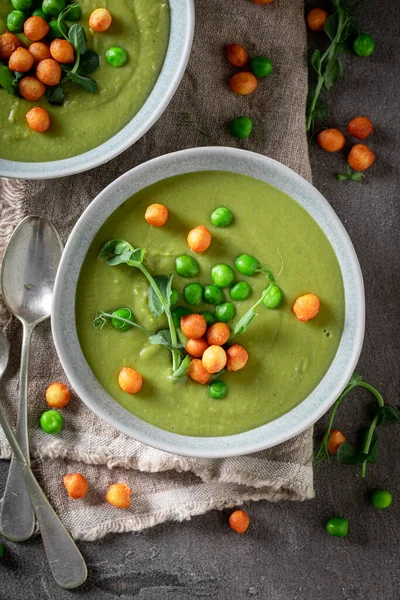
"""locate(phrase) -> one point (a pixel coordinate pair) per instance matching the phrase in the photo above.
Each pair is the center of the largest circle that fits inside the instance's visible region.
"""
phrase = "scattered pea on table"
(337, 527)
(51, 421)
(241, 127)
(381, 498)
(261, 66)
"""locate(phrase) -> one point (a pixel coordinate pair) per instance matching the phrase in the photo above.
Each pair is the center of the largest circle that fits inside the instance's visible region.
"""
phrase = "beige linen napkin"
(166, 486)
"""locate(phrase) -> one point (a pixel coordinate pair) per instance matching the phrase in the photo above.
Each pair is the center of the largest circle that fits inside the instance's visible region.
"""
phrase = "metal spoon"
(66, 562)
(27, 279)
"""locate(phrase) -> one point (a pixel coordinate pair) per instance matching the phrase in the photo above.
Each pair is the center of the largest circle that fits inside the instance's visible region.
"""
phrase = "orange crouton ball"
(306, 307)
(119, 495)
(31, 88)
(336, 439)
(243, 83)
(48, 72)
(198, 372)
(199, 239)
(76, 485)
(156, 215)
(20, 60)
(40, 51)
(236, 357)
(239, 521)
(330, 140)
(57, 394)
(316, 19)
(196, 348)
(262, 1)
(62, 51)
(38, 119)
(360, 157)
(236, 55)
(360, 127)
(100, 20)
(218, 334)
(129, 380)
(214, 359)
(8, 44)
(36, 28)
(193, 326)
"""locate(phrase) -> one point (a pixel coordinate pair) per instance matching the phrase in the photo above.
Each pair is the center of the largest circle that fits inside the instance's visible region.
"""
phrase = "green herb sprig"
(339, 27)
(350, 175)
(368, 450)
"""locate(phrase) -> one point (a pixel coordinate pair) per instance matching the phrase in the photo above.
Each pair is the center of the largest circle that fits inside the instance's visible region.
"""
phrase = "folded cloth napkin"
(165, 486)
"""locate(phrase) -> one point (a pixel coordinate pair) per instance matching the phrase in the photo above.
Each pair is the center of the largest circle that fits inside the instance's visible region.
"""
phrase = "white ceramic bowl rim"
(186, 161)
(176, 59)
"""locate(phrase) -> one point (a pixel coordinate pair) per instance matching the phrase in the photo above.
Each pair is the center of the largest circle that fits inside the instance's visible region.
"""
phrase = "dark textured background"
(286, 555)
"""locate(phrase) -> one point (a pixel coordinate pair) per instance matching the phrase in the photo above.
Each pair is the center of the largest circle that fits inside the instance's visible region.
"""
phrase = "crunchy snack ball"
(243, 83)
(262, 1)
(36, 28)
(62, 51)
(336, 439)
(20, 60)
(76, 485)
(236, 55)
(199, 239)
(236, 357)
(57, 394)
(8, 44)
(331, 140)
(130, 380)
(193, 326)
(100, 20)
(360, 127)
(239, 521)
(119, 495)
(316, 18)
(156, 215)
(48, 72)
(214, 359)
(361, 157)
(38, 119)
(196, 348)
(198, 372)
(40, 51)
(306, 307)
(218, 334)
(31, 88)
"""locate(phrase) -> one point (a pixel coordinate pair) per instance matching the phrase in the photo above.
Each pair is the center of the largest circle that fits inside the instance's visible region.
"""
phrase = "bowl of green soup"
(93, 91)
(209, 303)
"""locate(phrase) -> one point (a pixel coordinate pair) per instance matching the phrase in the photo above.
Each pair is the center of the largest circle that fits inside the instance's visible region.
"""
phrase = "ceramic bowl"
(176, 59)
(186, 161)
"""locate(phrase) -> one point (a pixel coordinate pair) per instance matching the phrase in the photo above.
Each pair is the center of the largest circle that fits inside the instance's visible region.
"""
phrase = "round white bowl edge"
(204, 159)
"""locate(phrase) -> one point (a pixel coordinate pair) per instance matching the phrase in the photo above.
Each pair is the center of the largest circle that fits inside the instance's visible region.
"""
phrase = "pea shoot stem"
(105, 315)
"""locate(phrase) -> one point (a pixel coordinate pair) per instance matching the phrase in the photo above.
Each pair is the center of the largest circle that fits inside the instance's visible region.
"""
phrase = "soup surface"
(287, 358)
(87, 120)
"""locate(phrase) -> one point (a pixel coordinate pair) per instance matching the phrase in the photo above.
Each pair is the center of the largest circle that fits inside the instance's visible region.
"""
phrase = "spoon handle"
(66, 562)
(17, 519)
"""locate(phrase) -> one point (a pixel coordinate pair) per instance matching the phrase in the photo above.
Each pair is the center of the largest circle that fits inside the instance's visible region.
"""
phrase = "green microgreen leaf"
(55, 95)
(386, 414)
(349, 455)
(88, 63)
(316, 61)
(89, 85)
(341, 177)
(164, 285)
(331, 25)
(356, 176)
(104, 317)
(8, 81)
(183, 368)
(332, 73)
(77, 37)
(163, 337)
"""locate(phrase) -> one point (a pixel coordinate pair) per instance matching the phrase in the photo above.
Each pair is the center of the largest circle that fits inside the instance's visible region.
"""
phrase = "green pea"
(39, 13)
(178, 312)
(261, 66)
(213, 294)
(221, 217)
(273, 297)
(124, 313)
(1, 550)
(337, 527)
(222, 275)
(193, 293)
(240, 291)
(209, 317)
(21, 4)
(241, 127)
(173, 299)
(186, 266)
(56, 31)
(218, 389)
(225, 312)
(53, 7)
(51, 421)
(74, 13)
(381, 498)
(116, 56)
(246, 264)
(15, 21)
(364, 45)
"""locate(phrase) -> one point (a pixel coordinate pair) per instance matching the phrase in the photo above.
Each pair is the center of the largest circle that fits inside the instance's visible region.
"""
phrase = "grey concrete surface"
(286, 554)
